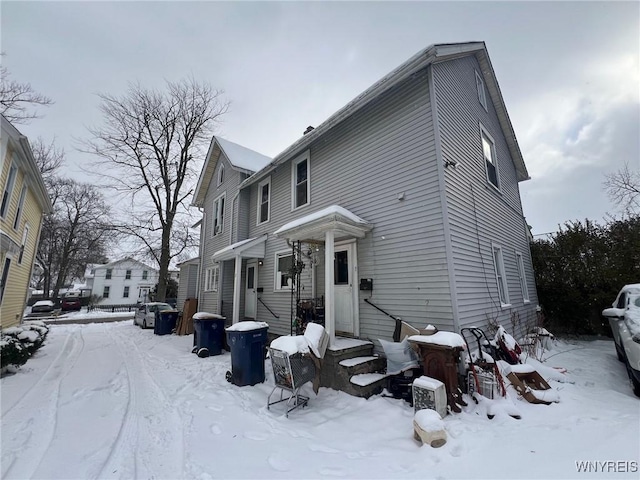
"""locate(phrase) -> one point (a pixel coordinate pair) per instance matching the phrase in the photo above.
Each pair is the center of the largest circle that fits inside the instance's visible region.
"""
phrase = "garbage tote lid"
(208, 316)
(246, 326)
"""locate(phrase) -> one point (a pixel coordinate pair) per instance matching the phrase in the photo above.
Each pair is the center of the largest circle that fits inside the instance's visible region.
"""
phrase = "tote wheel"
(228, 376)
(144, 323)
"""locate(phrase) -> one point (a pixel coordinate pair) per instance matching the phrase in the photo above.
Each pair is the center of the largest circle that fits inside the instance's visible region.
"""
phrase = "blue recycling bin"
(208, 334)
(165, 322)
(247, 341)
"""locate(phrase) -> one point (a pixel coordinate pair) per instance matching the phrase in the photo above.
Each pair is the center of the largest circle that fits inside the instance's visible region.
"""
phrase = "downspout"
(443, 203)
(233, 203)
(203, 235)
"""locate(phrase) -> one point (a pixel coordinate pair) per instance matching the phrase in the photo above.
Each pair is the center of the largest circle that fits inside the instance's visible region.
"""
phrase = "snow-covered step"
(366, 379)
(352, 362)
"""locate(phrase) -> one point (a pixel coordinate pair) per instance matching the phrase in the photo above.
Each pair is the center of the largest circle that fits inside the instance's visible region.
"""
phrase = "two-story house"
(406, 199)
(24, 203)
(124, 281)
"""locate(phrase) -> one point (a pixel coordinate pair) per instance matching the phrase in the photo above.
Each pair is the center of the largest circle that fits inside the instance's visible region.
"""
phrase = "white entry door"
(344, 288)
(250, 295)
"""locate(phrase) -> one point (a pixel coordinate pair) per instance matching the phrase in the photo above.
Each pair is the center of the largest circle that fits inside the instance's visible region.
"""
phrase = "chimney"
(309, 128)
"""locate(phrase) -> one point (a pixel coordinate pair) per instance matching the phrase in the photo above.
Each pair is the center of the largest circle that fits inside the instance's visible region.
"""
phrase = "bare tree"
(623, 188)
(146, 146)
(49, 158)
(18, 100)
(76, 233)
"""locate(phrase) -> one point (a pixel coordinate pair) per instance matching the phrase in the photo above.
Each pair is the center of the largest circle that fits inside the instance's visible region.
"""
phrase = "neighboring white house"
(121, 282)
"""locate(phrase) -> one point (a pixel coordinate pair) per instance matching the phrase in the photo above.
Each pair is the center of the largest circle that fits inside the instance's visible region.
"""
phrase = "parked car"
(146, 313)
(615, 315)
(630, 341)
(42, 306)
(71, 303)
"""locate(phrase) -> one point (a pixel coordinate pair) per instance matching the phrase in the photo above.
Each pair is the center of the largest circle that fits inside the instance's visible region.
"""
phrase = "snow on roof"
(331, 210)
(243, 157)
(446, 339)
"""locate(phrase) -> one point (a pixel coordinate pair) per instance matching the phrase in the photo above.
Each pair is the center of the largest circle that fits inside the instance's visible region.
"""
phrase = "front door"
(250, 295)
(344, 292)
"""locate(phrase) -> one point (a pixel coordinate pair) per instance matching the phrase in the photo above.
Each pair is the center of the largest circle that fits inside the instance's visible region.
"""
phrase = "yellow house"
(24, 203)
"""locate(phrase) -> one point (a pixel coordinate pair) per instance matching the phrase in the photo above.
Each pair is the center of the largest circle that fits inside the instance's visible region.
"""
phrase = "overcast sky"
(569, 73)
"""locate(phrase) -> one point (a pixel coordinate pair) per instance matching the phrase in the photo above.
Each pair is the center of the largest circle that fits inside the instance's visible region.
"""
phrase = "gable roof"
(126, 259)
(432, 54)
(20, 144)
(241, 159)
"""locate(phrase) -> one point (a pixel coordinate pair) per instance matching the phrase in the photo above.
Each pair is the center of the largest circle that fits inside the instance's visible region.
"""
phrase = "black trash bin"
(165, 322)
(247, 341)
(208, 334)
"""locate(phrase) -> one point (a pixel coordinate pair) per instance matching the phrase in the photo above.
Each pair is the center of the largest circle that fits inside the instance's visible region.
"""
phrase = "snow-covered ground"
(110, 400)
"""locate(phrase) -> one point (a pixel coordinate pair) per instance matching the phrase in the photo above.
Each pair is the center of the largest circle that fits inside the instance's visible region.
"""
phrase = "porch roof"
(250, 248)
(313, 227)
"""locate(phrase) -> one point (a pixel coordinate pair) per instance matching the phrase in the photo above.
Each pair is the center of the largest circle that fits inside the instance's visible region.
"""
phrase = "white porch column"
(329, 307)
(237, 285)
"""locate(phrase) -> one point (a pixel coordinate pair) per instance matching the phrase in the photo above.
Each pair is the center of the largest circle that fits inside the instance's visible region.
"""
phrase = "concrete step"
(361, 365)
(367, 384)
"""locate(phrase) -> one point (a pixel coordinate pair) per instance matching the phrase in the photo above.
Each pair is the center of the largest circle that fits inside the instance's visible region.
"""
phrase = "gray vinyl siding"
(385, 149)
(478, 214)
(187, 288)
(211, 244)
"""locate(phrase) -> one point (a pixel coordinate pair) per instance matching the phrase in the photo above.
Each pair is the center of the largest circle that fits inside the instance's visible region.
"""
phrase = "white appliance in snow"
(429, 393)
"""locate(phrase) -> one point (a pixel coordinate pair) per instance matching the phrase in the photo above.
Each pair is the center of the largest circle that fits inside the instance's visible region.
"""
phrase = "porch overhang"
(313, 227)
(250, 248)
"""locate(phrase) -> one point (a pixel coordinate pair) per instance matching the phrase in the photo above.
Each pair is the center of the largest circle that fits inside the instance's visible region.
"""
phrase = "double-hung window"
(23, 194)
(217, 226)
(8, 189)
(221, 175)
(145, 274)
(264, 200)
(522, 277)
(300, 186)
(25, 237)
(127, 275)
(283, 270)
(125, 293)
(212, 276)
(105, 292)
(482, 96)
(501, 279)
(108, 274)
(489, 154)
(5, 276)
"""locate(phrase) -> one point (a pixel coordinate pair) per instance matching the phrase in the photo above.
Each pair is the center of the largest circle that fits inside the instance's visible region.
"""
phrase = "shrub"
(17, 344)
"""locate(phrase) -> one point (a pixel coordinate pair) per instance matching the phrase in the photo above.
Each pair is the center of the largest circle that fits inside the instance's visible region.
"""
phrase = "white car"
(146, 313)
(624, 319)
(615, 315)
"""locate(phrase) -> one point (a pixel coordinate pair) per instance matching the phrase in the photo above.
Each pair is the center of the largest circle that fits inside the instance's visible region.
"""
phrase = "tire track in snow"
(28, 457)
(150, 411)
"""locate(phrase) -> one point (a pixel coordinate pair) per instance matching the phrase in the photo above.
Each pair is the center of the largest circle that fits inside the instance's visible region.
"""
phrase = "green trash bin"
(247, 341)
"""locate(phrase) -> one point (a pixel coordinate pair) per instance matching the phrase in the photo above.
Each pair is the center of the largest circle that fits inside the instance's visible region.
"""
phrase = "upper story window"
(490, 160)
(300, 185)
(264, 200)
(5, 276)
(127, 275)
(217, 226)
(283, 271)
(23, 194)
(221, 175)
(522, 277)
(482, 97)
(501, 279)
(145, 274)
(8, 190)
(105, 291)
(125, 293)
(108, 275)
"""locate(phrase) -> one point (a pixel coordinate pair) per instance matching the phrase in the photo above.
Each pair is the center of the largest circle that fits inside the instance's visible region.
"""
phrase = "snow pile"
(445, 339)
(206, 315)
(331, 211)
(317, 338)
(429, 428)
(18, 343)
(291, 344)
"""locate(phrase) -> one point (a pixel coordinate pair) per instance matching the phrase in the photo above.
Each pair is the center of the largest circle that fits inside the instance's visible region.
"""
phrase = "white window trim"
(108, 274)
(266, 181)
(4, 265)
(127, 274)
(23, 195)
(276, 273)
(523, 277)
(106, 289)
(294, 164)
(501, 276)
(9, 185)
(220, 180)
(126, 291)
(483, 131)
(212, 279)
(218, 214)
(23, 246)
(482, 91)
